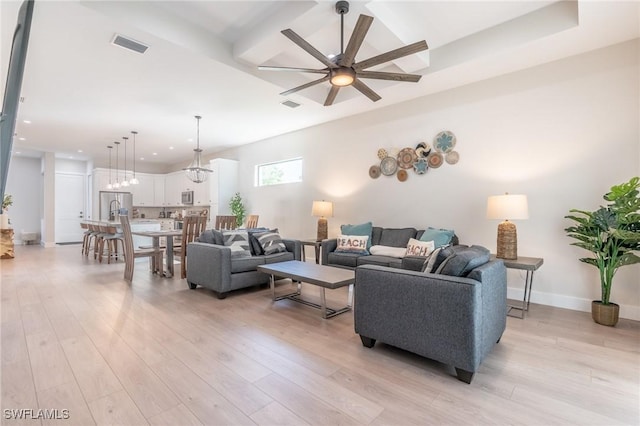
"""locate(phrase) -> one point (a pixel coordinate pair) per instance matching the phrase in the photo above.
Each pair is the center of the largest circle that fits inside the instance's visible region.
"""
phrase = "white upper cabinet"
(143, 193)
(158, 190)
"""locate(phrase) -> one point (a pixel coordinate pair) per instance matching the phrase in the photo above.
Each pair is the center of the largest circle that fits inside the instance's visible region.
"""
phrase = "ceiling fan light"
(342, 76)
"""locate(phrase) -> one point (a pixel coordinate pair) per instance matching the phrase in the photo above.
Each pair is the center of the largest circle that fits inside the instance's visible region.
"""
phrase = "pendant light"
(125, 182)
(195, 172)
(109, 185)
(134, 180)
(116, 185)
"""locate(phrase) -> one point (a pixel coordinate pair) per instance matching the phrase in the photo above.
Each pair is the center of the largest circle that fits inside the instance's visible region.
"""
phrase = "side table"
(529, 264)
(311, 242)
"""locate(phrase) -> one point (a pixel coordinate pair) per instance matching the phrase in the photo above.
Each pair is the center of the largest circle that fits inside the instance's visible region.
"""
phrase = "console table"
(530, 265)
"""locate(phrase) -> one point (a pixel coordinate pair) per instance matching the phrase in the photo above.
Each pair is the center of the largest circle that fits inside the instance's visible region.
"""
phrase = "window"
(287, 171)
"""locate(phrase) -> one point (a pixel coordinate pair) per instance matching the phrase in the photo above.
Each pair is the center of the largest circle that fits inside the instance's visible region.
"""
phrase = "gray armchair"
(454, 320)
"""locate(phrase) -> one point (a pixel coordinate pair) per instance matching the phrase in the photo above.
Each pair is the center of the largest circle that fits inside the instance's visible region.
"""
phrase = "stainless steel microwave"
(187, 197)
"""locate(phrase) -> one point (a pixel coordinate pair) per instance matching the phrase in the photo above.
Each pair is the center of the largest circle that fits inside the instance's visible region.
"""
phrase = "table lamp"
(506, 207)
(322, 209)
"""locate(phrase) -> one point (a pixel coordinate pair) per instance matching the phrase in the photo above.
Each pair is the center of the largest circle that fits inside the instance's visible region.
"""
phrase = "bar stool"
(110, 236)
(92, 237)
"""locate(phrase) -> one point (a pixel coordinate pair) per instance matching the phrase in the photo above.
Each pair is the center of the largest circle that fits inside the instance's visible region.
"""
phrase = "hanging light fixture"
(195, 171)
(109, 185)
(125, 182)
(116, 185)
(134, 180)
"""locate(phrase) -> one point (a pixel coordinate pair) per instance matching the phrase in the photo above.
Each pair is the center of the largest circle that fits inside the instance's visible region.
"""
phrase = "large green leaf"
(628, 259)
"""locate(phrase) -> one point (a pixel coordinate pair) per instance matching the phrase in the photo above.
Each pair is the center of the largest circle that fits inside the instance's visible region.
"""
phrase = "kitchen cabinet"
(174, 184)
(143, 193)
(201, 193)
(223, 184)
(158, 191)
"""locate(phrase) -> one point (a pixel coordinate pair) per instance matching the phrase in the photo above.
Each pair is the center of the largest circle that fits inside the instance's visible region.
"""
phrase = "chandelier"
(195, 172)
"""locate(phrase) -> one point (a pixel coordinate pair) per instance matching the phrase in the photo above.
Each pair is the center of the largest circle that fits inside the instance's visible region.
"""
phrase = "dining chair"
(192, 227)
(252, 221)
(226, 222)
(130, 254)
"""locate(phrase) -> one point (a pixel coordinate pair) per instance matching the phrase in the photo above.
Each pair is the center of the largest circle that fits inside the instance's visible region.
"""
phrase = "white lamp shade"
(508, 206)
(322, 209)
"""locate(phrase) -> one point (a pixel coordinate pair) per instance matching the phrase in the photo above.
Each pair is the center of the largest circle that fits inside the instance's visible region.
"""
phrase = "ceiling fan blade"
(391, 55)
(322, 71)
(357, 37)
(366, 90)
(332, 95)
(289, 33)
(396, 76)
(304, 86)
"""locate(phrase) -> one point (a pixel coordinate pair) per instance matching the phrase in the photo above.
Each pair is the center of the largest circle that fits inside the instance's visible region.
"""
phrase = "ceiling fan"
(342, 70)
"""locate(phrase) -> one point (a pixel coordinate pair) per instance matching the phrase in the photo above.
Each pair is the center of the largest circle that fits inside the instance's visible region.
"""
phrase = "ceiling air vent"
(127, 43)
(290, 104)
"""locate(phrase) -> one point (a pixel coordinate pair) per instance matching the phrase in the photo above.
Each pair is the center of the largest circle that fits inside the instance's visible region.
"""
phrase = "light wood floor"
(77, 337)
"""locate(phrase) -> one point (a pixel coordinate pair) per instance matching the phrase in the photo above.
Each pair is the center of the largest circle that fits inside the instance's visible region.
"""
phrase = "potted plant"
(237, 208)
(4, 217)
(612, 235)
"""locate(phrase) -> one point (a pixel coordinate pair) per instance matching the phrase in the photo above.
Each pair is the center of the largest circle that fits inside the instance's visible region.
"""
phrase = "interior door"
(69, 207)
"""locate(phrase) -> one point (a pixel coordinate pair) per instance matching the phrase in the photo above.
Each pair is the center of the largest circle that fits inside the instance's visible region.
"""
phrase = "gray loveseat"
(391, 237)
(452, 319)
(211, 265)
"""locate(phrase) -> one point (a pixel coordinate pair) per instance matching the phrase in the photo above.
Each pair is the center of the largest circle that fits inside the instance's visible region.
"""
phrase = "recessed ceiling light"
(22, 139)
(155, 153)
(331, 56)
(79, 150)
(190, 140)
(141, 158)
(170, 147)
(18, 152)
(26, 121)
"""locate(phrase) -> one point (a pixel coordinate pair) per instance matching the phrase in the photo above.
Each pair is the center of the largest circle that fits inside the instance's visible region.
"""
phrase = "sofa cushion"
(238, 242)
(396, 237)
(364, 229)
(431, 260)
(352, 244)
(387, 251)
(246, 264)
(343, 259)
(278, 257)
(394, 262)
(254, 245)
(211, 236)
(270, 242)
(440, 237)
(463, 261)
(419, 248)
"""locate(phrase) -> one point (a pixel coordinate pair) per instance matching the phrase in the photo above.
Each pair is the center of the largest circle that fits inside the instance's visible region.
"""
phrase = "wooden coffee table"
(319, 275)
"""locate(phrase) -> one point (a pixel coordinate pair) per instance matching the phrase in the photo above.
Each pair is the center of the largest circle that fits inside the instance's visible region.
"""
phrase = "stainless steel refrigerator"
(112, 204)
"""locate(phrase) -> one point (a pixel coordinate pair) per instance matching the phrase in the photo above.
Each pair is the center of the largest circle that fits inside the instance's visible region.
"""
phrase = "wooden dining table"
(156, 235)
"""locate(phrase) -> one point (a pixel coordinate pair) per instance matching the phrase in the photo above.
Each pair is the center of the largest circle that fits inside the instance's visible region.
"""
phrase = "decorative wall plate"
(435, 160)
(444, 141)
(423, 149)
(420, 166)
(374, 172)
(402, 175)
(388, 166)
(452, 157)
(407, 157)
(382, 153)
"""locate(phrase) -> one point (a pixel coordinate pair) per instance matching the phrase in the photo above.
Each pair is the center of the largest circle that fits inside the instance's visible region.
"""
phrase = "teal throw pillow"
(364, 229)
(440, 237)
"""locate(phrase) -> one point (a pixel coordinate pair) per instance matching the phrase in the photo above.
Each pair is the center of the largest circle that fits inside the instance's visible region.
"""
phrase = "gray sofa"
(452, 319)
(211, 265)
(392, 237)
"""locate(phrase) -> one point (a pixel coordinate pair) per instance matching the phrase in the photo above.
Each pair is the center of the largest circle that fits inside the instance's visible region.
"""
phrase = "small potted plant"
(238, 209)
(612, 235)
(4, 217)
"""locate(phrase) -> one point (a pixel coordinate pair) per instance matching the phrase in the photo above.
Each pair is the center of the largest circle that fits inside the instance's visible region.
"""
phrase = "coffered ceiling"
(82, 93)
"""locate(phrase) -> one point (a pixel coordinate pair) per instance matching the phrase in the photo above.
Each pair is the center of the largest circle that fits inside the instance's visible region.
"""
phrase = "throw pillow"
(431, 260)
(356, 244)
(440, 237)
(270, 242)
(254, 244)
(464, 261)
(379, 250)
(364, 229)
(419, 248)
(211, 236)
(238, 242)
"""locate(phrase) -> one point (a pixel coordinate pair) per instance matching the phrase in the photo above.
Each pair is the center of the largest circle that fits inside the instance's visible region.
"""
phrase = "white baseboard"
(569, 302)
(47, 244)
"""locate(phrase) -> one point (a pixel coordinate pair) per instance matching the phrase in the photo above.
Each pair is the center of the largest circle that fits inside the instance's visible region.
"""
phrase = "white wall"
(562, 133)
(25, 185)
